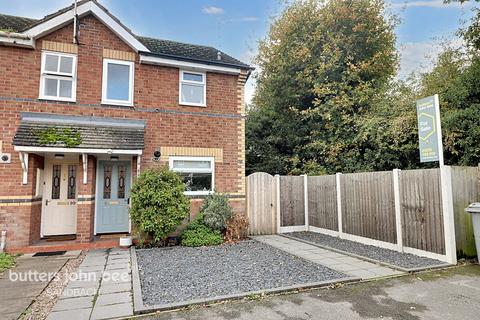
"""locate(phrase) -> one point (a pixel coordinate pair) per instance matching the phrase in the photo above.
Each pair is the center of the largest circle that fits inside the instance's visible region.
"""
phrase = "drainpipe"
(3, 241)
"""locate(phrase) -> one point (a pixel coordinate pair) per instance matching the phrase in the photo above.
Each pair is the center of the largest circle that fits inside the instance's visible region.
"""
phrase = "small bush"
(237, 227)
(6, 261)
(158, 203)
(216, 211)
(198, 234)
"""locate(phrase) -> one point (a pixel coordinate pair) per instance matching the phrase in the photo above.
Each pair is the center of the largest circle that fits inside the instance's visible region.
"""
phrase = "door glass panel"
(72, 182)
(57, 172)
(121, 182)
(107, 182)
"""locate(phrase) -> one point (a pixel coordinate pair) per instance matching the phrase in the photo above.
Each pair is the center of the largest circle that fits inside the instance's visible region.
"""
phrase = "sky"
(235, 26)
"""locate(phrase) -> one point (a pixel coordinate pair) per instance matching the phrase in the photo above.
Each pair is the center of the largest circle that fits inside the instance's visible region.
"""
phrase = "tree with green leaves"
(322, 64)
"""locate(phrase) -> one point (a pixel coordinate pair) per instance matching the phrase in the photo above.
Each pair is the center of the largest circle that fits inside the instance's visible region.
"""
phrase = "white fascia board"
(147, 59)
(17, 42)
(82, 10)
(76, 150)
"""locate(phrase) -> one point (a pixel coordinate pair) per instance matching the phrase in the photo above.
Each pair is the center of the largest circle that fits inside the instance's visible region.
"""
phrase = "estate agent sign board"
(429, 130)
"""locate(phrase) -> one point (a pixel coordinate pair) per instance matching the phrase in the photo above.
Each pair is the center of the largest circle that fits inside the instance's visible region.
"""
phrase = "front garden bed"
(177, 276)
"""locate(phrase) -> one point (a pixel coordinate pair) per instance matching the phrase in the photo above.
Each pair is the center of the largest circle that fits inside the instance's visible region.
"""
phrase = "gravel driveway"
(404, 260)
(176, 274)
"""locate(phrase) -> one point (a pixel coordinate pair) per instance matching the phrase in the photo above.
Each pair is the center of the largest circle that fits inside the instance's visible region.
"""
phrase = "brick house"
(86, 106)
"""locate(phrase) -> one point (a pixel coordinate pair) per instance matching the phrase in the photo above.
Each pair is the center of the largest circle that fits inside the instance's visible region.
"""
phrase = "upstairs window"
(58, 76)
(192, 88)
(197, 173)
(117, 82)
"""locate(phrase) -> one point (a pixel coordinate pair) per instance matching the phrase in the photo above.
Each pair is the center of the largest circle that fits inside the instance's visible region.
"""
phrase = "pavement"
(337, 261)
(448, 294)
(22, 284)
(102, 289)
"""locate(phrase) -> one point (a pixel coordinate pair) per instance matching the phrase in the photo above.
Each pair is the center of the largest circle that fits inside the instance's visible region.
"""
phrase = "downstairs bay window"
(198, 173)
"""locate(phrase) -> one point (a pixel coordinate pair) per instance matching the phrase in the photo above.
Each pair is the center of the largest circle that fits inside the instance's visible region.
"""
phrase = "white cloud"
(213, 10)
(421, 56)
(426, 4)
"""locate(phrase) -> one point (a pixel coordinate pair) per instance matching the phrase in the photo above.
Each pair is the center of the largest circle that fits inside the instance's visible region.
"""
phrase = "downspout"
(3, 241)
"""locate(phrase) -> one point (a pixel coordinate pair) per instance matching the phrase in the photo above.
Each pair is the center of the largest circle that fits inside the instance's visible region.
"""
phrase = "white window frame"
(58, 75)
(131, 83)
(211, 170)
(204, 84)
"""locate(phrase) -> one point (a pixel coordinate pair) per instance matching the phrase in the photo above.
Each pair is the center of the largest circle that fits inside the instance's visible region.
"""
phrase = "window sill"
(57, 99)
(117, 103)
(192, 105)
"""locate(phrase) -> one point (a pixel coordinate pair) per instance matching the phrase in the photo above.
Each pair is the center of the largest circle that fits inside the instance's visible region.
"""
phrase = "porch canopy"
(43, 133)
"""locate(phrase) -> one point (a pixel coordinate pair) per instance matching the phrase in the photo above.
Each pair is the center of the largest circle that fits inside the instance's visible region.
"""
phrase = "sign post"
(431, 149)
(430, 130)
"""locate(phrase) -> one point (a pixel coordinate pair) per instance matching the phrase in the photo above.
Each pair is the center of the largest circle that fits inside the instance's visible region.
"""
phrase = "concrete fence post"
(305, 200)
(338, 176)
(398, 209)
(277, 188)
(448, 214)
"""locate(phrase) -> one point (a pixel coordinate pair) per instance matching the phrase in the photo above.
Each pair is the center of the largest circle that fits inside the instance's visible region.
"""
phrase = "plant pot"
(125, 241)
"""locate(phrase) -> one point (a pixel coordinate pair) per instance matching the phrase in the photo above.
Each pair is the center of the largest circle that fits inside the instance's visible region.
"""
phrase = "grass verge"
(6, 261)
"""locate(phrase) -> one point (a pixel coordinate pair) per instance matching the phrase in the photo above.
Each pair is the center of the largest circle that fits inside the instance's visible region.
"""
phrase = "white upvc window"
(58, 79)
(198, 173)
(193, 88)
(118, 82)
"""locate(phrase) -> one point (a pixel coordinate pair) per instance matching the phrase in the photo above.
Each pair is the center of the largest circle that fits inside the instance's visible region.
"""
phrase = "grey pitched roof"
(189, 52)
(14, 23)
(95, 132)
(158, 47)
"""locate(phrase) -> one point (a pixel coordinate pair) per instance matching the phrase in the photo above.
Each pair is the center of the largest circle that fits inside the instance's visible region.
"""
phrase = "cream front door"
(60, 199)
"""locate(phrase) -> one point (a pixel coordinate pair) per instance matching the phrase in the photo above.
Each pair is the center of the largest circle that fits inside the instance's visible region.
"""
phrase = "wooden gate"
(261, 203)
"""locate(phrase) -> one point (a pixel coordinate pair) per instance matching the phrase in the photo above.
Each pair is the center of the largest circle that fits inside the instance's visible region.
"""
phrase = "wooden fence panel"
(292, 207)
(261, 203)
(368, 205)
(466, 189)
(322, 202)
(421, 205)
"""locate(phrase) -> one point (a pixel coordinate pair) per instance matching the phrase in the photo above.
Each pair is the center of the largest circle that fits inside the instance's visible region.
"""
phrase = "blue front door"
(113, 193)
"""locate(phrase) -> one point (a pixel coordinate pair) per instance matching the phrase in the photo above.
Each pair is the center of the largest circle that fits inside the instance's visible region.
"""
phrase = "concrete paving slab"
(112, 311)
(76, 314)
(364, 274)
(10, 316)
(33, 275)
(78, 292)
(74, 303)
(15, 305)
(346, 268)
(113, 298)
(113, 288)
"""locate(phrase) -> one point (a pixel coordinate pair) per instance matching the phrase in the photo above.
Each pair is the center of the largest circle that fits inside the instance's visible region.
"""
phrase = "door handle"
(46, 202)
(128, 200)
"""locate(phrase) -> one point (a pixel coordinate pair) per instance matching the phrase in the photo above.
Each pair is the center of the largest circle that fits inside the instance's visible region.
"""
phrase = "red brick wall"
(156, 87)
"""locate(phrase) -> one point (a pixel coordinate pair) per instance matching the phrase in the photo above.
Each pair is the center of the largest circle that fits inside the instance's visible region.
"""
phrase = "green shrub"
(158, 203)
(6, 261)
(198, 234)
(216, 211)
